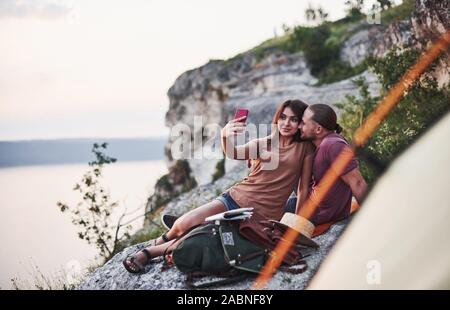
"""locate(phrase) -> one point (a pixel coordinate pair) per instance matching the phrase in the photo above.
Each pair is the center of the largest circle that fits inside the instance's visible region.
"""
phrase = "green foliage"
(384, 4)
(420, 107)
(93, 213)
(353, 8)
(321, 47)
(220, 170)
(140, 237)
(321, 44)
(171, 185)
(396, 13)
(163, 182)
(311, 40)
(316, 14)
(339, 70)
(353, 112)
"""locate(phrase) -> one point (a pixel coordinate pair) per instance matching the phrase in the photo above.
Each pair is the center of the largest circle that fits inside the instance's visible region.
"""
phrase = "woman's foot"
(135, 263)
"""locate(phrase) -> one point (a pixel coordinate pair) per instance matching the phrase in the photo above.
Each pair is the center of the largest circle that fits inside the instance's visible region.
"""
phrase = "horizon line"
(86, 138)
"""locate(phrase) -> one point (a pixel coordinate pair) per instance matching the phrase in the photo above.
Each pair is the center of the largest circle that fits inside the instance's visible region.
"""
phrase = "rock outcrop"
(428, 22)
(359, 45)
(177, 181)
(210, 94)
(114, 276)
(215, 90)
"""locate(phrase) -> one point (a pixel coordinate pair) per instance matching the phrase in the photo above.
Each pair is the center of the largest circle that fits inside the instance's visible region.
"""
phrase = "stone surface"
(114, 276)
(216, 89)
(429, 20)
(213, 92)
(359, 46)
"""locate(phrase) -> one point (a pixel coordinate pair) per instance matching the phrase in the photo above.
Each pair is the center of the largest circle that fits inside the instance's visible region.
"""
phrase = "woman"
(279, 161)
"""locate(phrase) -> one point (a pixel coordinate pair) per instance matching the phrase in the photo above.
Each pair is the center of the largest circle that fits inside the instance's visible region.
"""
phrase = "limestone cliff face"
(211, 93)
(429, 20)
(215, 90)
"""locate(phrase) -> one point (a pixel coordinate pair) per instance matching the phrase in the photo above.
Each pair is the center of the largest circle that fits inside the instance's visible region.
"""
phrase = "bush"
(220, 170)
(399, 12)
(420, 107)
(311, 40)
(92, 215)
(321, 47)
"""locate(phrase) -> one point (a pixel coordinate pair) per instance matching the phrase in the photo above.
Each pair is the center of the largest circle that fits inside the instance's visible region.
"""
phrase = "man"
(319, 125)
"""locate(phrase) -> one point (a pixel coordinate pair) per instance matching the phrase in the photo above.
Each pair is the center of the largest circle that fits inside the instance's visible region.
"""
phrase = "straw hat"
(300, 224)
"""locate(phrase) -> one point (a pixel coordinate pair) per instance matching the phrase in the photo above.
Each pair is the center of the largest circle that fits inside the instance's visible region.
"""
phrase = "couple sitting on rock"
(304, 142)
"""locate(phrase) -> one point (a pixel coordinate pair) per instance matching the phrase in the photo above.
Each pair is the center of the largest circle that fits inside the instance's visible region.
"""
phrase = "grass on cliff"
(397, 13)
(321, 44)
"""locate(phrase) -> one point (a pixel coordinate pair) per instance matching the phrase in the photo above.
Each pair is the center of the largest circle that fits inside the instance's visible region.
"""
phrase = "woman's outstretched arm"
(246, 151)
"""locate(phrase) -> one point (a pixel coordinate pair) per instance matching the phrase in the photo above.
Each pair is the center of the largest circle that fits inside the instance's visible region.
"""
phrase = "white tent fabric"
(400, 239)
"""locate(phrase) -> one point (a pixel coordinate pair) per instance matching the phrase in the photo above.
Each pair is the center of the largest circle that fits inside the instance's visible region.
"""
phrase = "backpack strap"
(294, 269)
(166, 263)
(230, 280)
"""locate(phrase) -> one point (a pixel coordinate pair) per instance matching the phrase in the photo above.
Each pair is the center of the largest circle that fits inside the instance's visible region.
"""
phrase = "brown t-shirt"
(268, 186)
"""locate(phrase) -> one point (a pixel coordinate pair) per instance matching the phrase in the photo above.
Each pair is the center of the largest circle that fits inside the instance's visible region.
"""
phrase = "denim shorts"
(290, 205)
(229, 203)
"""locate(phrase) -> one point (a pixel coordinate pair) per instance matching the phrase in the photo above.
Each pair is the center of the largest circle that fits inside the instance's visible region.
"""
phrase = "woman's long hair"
(298, 107)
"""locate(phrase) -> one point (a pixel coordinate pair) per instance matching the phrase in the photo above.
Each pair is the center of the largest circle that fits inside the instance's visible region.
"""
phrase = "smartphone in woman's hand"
(240, 113)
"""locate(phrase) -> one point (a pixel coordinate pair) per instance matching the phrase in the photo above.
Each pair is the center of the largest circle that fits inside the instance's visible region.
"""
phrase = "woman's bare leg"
(194, 217)
(185, 222)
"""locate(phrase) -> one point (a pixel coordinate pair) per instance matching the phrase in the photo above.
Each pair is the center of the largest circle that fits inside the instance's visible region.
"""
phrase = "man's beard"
(306, 138)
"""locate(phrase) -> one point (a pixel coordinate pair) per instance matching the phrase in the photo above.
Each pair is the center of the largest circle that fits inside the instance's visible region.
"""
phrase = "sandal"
(153, 242)
(132, 264)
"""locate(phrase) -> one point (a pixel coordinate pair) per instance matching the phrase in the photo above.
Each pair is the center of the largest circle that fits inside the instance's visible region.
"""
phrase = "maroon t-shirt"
(337, 203)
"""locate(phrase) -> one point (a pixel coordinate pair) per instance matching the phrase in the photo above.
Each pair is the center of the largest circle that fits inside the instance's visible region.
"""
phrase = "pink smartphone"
(241, 112)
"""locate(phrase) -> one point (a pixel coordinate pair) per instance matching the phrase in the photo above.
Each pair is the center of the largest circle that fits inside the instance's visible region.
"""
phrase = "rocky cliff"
(428, 22)
(216, 89)
(213, 91)
(113, 276)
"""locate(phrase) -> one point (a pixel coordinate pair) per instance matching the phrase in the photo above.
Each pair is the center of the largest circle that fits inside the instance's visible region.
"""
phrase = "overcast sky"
(99, 68)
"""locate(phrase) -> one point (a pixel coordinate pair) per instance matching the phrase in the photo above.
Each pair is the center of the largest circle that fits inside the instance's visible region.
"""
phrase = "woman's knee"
(183, 224)
(196, 217)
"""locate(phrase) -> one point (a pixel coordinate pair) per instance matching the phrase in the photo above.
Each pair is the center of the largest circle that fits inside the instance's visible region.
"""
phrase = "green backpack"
(218, 250)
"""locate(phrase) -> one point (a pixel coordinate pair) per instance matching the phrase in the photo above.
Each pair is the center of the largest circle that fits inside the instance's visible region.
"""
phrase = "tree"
(93, 214)
(316, 14)
(385, 4)
(354, 8)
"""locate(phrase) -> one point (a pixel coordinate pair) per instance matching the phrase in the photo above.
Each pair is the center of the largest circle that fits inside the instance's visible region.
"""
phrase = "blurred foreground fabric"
(399, 239)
